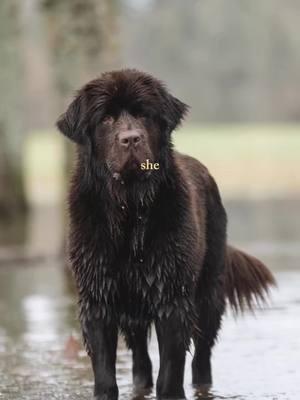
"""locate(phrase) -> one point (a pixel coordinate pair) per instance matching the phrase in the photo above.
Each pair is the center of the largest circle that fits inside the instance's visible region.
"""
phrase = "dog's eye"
(108, 120)
(143, 118)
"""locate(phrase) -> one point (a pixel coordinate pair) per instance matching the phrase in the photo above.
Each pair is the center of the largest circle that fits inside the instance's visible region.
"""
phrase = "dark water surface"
(257, 357)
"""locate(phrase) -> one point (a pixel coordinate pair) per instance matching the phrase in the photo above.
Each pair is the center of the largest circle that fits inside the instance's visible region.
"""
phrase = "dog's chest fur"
(134, 257)
(148, 264)
(137, 263)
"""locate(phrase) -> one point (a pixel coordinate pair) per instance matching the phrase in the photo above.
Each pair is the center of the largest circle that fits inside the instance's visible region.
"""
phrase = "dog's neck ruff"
(106, 184)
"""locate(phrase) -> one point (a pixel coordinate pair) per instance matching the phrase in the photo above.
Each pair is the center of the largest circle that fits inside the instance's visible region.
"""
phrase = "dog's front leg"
(101, 339)
(172, 351)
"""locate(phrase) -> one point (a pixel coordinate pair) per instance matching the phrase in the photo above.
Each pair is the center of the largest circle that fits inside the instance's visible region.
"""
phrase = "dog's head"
(126, 117)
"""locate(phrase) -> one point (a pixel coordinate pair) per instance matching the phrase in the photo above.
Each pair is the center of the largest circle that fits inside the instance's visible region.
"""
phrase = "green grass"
(44, 166)
(256, 161)
(227, 142)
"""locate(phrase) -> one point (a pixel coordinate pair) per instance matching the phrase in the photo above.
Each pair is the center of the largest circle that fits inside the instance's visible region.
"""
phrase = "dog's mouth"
(133, 164)
(131, 169)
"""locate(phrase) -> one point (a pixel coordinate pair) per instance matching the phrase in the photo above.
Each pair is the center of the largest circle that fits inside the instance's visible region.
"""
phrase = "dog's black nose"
(129, 138)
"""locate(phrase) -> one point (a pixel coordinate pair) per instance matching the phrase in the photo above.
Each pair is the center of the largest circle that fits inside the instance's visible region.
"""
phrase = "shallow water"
(257, 357)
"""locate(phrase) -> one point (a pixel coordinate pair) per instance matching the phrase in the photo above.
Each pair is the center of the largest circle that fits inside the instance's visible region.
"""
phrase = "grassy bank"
(256, 161)
(247, 161)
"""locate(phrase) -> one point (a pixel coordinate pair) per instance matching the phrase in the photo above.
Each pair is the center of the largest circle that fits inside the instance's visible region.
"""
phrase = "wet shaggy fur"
(148, 247)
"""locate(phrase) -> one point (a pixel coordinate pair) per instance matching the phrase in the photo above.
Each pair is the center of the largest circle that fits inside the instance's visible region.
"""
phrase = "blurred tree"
(12, 194)
(82, 38)
(233, 61)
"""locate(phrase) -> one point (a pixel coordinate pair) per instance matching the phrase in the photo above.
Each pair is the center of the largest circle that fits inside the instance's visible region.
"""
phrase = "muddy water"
(257, 357)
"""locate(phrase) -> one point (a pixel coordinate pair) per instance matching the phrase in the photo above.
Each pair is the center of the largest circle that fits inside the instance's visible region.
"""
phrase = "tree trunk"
(12, 193)
(81, 40)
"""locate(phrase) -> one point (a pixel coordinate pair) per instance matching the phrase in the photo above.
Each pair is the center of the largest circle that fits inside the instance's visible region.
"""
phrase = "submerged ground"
(257, 357)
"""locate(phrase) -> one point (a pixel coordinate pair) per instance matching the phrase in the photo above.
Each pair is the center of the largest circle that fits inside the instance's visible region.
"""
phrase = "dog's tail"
(247, 280)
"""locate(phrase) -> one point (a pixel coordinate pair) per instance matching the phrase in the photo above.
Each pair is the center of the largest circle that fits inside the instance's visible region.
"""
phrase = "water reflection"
(41, 321)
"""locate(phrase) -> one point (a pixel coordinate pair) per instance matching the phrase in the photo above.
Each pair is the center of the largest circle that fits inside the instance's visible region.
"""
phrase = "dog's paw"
(105, 397)
(108, 394)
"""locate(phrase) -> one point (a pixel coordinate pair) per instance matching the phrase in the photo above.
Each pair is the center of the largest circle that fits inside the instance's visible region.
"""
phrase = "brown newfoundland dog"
(148, 244)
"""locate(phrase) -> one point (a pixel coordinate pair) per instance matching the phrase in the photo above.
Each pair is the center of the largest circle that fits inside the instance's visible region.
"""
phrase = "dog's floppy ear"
(74, 122)
(173, 110)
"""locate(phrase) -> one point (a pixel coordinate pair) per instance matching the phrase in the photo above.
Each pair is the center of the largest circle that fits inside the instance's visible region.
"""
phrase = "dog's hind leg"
(208, 325)
(137, 341)
(210, 292)
(210, 306)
